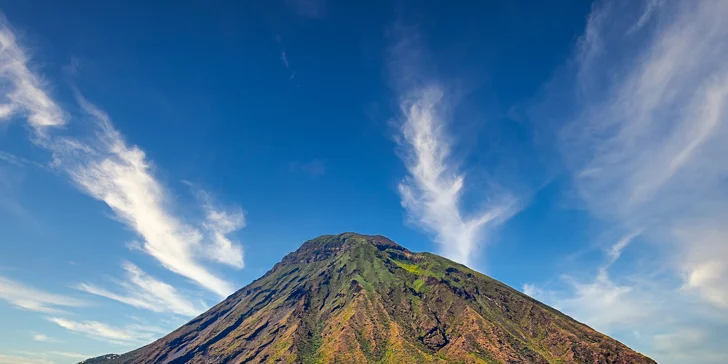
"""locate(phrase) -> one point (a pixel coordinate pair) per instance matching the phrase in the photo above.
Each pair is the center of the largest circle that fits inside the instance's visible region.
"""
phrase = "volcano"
(354, 298)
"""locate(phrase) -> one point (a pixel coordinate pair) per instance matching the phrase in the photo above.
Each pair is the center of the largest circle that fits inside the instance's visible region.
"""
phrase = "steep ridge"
(353, 298)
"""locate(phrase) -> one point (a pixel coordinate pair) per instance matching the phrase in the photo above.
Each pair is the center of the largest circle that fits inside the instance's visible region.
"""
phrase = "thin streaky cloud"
(651, 136)
(14, 359)
(146, 292)
(615, 251)
(649, 9)
(287, 65)
(51, 355)
(70, 355)
(28, 97)
(44, 338)
(601, 302)
(29, 298)
(219, 224)
(19, 161)
(12, 159)
(104, 332)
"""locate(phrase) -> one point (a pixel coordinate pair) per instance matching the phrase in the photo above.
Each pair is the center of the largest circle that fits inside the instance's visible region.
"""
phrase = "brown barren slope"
(353, 298)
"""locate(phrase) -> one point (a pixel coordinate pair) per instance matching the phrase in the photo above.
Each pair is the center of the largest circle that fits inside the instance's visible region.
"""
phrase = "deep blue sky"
(303, 116)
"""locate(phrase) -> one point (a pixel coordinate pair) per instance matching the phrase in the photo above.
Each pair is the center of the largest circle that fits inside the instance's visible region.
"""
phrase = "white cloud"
(651, 137)
(101, 331)
(12, 159)
(120, 176)
(27, 95)
(44, 338)
(219, 223)
(70, 355)
(432, 193)
(707, 279)
(146, 292)
(47, 357)
(19, 161)
(108, 169)
(5, 111)
(645, 147)
(704, 261)
(604, 304)
(532, 290)
(643, 310)
(284, 60)
(615, 251)
(685, 345)
(29, 298)
(600, 301)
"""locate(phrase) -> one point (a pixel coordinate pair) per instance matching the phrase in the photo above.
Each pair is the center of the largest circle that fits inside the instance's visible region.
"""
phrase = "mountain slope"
(352, 298)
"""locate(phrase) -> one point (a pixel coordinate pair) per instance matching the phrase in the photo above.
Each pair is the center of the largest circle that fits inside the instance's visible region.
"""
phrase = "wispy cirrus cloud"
(287, 65)
(44, 338)
(120, 175)
(5, 112)
(18, 161)
(26, 97)
(219, 224)
(70, 355)
(143, 291)
(46, 357)
(107, 168)
(645, 142)
(654, 135)
(642, 308)
(432, 192)
(600, 301)
(130, 335)
(33, 299)
(284, 59)
(15, 359)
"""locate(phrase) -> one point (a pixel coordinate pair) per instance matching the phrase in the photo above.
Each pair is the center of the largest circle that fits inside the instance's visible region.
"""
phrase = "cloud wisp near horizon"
(129, 335)
(32, 299)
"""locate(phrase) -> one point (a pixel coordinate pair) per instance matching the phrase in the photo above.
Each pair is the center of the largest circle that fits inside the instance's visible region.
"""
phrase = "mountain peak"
(348, 238)
(325, 246)
(353, 298)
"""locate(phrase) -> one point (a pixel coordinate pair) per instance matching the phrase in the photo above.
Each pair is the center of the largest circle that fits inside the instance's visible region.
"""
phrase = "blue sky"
(156, 157)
